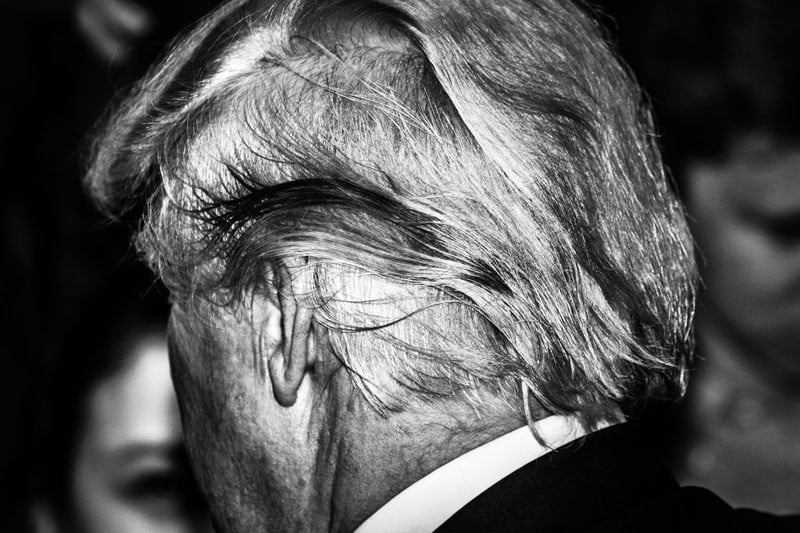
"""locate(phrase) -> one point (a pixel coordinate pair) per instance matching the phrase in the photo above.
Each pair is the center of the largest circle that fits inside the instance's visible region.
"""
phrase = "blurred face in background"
(746, 215)
(130, 472)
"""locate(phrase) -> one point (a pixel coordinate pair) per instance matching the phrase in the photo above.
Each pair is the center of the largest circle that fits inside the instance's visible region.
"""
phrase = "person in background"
(724, 78)
(66, 60)
(111, 445)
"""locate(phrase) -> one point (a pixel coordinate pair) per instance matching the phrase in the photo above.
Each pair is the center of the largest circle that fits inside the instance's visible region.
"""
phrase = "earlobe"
(289, 363)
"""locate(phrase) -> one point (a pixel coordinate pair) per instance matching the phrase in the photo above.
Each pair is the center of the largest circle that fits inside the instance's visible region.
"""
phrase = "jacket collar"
(582, 483)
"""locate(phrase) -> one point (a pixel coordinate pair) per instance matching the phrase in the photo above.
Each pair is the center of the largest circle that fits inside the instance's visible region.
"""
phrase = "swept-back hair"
(473, 183)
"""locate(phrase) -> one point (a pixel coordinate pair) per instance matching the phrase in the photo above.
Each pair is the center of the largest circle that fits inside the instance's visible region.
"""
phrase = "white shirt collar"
(430, 501)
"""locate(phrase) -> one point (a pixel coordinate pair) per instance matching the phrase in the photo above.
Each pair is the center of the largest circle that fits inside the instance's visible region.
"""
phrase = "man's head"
(419, 212)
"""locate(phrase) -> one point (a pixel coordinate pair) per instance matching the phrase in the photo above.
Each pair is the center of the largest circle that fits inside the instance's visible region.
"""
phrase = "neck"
(378, 457)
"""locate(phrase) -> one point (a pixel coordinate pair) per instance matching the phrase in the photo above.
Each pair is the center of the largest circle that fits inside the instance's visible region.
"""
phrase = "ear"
(295, 354)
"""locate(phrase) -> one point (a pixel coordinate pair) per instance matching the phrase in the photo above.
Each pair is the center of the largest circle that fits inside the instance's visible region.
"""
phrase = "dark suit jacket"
(607, 481)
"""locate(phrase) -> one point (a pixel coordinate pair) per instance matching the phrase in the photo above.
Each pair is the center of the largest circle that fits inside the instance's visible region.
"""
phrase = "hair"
(473, 184)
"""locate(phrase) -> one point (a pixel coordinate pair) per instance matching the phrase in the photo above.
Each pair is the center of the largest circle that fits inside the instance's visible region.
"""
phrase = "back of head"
(473, 184)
